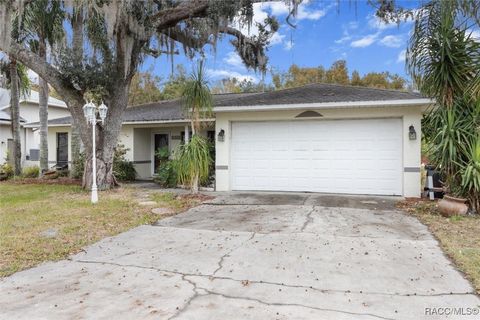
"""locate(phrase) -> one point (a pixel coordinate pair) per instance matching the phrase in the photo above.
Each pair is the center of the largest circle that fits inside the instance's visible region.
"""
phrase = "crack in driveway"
(281, 304)
(261, 282)
(222, 258)
(308, 219)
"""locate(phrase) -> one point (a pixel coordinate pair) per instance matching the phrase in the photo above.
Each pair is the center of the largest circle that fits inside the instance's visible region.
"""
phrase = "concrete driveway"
(253, 256)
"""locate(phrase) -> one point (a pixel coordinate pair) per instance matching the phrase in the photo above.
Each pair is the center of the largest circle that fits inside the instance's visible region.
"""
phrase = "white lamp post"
(90, 112)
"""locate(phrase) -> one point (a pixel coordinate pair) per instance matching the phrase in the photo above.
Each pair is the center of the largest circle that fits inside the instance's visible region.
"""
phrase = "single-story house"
(29, 113)
(315, 138)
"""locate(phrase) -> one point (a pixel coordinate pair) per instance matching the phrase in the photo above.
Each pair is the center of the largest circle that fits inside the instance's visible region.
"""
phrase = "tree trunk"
(195, 185)
(43, 113)
(15, 117)
(77, 38)
(106, 141)
(75, 150)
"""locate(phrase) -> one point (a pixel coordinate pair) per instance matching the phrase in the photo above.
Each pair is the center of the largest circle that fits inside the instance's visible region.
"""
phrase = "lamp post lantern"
(90, 113)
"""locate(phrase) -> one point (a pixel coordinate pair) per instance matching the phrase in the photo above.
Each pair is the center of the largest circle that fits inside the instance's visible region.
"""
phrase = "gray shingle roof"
(321, 93)
(5, 116)
(313, 93)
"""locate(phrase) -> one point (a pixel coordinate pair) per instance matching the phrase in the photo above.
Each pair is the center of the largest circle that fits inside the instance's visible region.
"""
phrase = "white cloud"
(276, 38)
(392, 41)
(280, 8)
(304, 13)
(288, 45)
(401, 56)
(365, 41)
(234, 60)
(262, 10)
(376, 23)
(343, 39)
(222, 73)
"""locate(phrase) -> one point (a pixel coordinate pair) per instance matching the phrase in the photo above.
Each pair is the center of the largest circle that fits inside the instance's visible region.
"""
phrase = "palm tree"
(198, 101)
(43, 25)
(442, 56)
(19, 84)
(444, 61)
(193, 158)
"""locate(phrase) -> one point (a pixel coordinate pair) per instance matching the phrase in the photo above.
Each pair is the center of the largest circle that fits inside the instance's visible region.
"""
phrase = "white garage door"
(336, 156)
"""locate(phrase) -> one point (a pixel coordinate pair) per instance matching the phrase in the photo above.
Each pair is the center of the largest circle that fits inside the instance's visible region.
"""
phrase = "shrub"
(166, 175)
(31, 172)
(6, 171)
(123, 169)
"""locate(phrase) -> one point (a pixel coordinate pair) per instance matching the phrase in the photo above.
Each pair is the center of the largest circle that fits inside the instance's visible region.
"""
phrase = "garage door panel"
(342, 156)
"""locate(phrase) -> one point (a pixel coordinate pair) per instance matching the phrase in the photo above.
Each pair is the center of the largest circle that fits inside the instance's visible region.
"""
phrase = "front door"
(62, 148)
(161, 140)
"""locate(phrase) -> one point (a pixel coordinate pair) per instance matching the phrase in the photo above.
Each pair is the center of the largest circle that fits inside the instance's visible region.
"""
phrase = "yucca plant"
(471, 174)
(192, 162)
(193, 159)
(448, 132)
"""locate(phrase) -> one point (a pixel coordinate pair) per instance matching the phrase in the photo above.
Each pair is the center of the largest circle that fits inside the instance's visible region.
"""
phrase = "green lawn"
(459, 236)
(30, 213)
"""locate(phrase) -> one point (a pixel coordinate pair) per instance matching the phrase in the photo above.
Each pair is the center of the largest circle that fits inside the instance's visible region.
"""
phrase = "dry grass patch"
(41, 222)
(459, 236)
(178, 202)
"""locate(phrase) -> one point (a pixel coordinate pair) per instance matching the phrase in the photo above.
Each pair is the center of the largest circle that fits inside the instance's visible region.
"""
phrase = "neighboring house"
(6, 134)
(29, 112)
(315, 138)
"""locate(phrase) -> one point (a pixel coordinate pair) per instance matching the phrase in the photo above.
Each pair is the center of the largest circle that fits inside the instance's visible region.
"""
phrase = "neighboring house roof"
(314, 95)
(31, 98)
(5, 116)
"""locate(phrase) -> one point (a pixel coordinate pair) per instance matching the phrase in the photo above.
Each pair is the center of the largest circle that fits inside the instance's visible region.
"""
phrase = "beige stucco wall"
(411, 148)
(143, 144)
(135, 137)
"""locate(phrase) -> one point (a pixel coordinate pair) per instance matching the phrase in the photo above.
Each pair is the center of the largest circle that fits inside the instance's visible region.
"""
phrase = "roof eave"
(179, 121)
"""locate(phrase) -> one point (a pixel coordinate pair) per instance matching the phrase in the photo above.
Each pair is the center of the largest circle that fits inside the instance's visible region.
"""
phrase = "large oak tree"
(108, 41)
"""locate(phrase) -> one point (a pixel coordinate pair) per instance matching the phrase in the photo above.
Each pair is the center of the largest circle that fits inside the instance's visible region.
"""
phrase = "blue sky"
(325, 31)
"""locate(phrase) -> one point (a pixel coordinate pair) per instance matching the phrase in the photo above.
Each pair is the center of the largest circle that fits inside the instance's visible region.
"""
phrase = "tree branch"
(156, 53)
(46, 72)
(188, 9)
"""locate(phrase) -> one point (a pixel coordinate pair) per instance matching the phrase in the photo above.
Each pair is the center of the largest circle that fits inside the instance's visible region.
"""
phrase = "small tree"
(19, 85)
(193, 158)
(43, 27)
